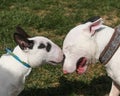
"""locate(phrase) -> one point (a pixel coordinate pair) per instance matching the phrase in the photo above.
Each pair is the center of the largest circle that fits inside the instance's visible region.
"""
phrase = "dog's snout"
(60, 57)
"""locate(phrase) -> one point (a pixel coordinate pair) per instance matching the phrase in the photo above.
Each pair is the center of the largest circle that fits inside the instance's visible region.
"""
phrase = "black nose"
(63, 59)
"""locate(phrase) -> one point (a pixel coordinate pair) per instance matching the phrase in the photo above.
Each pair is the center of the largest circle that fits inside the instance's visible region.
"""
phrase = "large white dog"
(84, 44)
(30, 53)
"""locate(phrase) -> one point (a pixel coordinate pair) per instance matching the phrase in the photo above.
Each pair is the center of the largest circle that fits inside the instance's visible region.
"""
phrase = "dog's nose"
(63, 58)
(65, 72)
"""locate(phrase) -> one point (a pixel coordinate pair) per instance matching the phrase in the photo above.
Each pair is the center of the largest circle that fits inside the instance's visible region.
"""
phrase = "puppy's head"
(38, 49)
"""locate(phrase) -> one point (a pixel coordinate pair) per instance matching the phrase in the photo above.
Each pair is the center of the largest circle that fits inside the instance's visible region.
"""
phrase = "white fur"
(80, 42)
(13, 73)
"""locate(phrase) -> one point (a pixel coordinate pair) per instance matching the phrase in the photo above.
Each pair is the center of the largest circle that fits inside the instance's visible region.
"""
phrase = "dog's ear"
(96, 25)
(22, 32)
(92, 27)
(23, 42)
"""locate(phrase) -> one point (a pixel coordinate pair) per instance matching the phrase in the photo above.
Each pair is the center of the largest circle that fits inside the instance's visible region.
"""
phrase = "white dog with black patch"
(84, 44)
(30, 53)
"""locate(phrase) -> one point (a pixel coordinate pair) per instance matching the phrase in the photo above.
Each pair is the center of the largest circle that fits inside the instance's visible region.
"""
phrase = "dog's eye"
(48, 47)
(41, 46)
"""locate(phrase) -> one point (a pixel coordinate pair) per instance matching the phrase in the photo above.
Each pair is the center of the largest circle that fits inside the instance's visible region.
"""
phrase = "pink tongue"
(80, 69)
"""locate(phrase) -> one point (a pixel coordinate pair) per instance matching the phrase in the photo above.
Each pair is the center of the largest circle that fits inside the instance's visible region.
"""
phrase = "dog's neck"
(22, 55)
(11, 64)
(104, 37)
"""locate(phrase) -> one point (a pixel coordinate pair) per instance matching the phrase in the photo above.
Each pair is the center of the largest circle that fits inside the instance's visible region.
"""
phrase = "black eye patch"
(48, 47)
(41, 46)
(31, 44)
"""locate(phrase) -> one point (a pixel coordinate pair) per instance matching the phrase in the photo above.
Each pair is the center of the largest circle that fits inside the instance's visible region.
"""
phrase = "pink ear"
(96, 25)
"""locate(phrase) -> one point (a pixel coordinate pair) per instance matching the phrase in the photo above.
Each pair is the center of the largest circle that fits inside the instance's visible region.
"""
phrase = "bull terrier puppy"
(30, 52)
(84, 44)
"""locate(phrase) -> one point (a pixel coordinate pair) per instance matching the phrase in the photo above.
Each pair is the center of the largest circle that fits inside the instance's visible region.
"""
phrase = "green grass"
(53, 19)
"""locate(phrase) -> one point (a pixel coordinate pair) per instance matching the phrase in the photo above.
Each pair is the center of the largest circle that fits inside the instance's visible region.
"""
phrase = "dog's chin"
(81, 65)
(53, 62)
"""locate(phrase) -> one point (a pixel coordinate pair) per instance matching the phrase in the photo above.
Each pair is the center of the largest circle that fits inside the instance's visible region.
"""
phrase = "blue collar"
(17, 58)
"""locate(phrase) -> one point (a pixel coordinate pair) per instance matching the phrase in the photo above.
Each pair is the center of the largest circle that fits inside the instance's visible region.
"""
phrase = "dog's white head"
(37, 49)
(79, 47)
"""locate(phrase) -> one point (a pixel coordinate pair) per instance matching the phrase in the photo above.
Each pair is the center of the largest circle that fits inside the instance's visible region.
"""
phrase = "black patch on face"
(41, 46)
(31, 44)
(48, 47)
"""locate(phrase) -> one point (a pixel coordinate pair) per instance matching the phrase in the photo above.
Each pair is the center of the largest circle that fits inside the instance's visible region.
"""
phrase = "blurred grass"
(53, 19)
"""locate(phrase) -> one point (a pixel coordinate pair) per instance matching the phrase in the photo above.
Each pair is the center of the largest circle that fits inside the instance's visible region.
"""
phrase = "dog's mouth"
(81, 65)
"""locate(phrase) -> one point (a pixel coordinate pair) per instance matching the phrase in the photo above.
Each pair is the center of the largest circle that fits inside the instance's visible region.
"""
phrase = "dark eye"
(41, 46)
(48, 47)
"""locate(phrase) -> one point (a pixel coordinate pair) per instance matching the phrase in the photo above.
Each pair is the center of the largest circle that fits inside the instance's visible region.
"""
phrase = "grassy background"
(53, 19)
